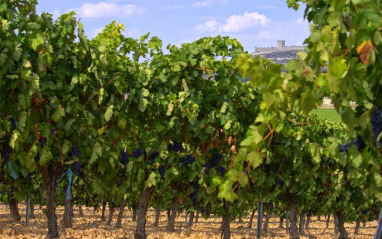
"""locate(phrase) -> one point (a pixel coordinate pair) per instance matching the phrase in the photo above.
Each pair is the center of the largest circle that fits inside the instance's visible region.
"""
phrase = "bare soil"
(91, 226)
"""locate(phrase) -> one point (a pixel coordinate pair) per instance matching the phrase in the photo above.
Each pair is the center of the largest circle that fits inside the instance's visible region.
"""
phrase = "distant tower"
(280, 44)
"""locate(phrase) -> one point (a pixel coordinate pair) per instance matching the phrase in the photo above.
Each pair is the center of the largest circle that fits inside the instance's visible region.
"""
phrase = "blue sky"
(252, 22)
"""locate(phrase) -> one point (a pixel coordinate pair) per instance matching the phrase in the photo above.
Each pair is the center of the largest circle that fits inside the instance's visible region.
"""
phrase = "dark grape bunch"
(186, 160)
(43, 142)
(216, 159)
(357, 142)
(153, 156)
(221, 170)
(13, 122)
(207, 168)
(30, 175)
(75, 151)
(203, 210)
(7, 153)
(176, 147)
(376, 123)
(52, 131)
(138, 152)
(76, 168)
(124, 158)
(161, 170)
(194, 194)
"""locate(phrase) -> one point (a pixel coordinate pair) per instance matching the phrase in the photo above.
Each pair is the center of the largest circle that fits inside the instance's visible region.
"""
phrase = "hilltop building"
(280, 54)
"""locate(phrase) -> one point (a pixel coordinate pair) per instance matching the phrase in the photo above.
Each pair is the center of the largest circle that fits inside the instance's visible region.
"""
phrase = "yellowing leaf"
(364, 51)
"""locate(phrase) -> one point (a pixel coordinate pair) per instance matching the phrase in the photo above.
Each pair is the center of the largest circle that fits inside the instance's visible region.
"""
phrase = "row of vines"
(117, 120)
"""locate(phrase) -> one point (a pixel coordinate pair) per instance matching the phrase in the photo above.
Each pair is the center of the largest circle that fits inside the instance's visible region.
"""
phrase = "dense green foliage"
(125, 116)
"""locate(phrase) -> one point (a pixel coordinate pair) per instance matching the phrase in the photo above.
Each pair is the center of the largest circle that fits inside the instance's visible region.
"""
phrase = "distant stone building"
(281, 54)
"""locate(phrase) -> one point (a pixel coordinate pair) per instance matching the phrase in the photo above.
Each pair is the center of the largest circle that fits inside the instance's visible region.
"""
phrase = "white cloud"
(172, 7)
(205, 3)
(209, 26)
(235, 23)
(102, 9)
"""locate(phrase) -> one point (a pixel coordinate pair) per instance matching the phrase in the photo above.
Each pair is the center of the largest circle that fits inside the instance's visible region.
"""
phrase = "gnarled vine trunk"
(327, 222)
(31, 215)
(357, 225)
(14, 209)
(174, 210)
(281, 222)
(191, 219)
(226, 229)
(293, 220)
(267, 217)
(134, 213)
(302, 224)
(120, 214)
(111, 212)
(49, 173)
(140, 232)
(341, 227)
(251, 219)
(68, 214)
(197, 217)
(80, 210)
(157, 216)
(307, 221)
(103, 218)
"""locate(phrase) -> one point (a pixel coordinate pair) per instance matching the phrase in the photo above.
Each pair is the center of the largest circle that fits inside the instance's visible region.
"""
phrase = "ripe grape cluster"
(76, 152)
(221, 170)
(176, 147)
(186, 160)
(13, 122)
(76, 168)
(216, 159)
(43, 142)
(194, 194)
(357, 142)
(203, 210)
(161, 170)
(278, 180)
(7, 153)
(30, 175)
(207, 168)
(153, 156)
(52, 131)
(124, 158)
(376, 123)
(138, 152)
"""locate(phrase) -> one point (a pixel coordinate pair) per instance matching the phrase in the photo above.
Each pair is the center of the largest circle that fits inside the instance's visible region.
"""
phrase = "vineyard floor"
(91, 226)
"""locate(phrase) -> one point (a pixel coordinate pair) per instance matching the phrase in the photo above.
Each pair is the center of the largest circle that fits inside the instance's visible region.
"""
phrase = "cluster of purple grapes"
(152, 157)
(13, 122)
(312, 212)
(7, 153)
(194, 194)
(216, 159)
(364, 212)
(221, 170)
(161, 170)
(76, 168)
(176, 147)
(138, 152)
(207, 211)
(278, 180)
(357, 142)
(207, 168)
(76, 152)
(186, 160)
(43, 142)
(52, 131)
(376, 123)
(124, 158)
(30, 175)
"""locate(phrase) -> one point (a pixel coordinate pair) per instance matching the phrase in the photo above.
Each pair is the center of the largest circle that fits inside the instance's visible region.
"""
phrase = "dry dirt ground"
(91, 226)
